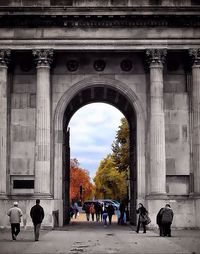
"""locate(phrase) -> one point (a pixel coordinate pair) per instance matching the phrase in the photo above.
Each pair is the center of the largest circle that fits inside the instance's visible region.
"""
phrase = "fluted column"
(156, 59)
(4, 55)
(43, 121)
(195, 55)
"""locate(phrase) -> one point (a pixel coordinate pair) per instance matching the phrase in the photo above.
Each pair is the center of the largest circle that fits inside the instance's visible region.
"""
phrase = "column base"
(29, 197)
(157, 196)
(43, 196)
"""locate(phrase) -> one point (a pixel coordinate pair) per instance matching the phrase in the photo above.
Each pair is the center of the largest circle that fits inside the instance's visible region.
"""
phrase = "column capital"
(156, 56)
(194, 53)
(4, 57)
(43, 57)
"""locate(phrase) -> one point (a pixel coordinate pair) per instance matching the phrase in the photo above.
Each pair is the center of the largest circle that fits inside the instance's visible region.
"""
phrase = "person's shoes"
(13, 237)
(137, 231)
(144, 232)
(36, 240)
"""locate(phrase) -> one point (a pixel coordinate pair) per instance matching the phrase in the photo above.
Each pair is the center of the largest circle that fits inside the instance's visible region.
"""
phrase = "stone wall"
(25, 205)
(176, 105)
(63, 79)
(22, 128)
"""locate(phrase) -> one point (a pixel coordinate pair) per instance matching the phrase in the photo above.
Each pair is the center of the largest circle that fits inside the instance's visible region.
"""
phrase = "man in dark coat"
(167, 217)
(159, 221)
(111, 212)
(98, 210)
(37, 215)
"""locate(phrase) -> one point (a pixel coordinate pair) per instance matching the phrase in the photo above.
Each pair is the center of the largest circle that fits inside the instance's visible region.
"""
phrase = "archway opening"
(112, 96)
(99, 168)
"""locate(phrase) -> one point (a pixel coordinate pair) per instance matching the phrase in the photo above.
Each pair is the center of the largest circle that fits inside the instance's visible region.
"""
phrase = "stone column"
(43, 58)
(4, 55)
(195, 97)
(157, 123)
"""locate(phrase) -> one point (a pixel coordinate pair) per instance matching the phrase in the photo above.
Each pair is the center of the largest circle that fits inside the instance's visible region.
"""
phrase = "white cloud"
(92, 131)
(99, 149)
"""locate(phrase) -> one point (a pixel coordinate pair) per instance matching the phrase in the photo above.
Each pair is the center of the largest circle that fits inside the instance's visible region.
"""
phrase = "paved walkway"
(94, 238)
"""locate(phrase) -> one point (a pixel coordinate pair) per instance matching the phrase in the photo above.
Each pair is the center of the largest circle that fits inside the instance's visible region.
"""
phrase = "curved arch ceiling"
(100, 94)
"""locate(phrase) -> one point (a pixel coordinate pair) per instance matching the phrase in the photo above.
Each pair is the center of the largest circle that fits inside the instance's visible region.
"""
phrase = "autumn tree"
(109, 182)
(79, 177)
(120, 147)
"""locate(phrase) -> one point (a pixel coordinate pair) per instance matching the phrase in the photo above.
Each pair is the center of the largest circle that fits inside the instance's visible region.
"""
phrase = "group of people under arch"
(100, 212)
(96, 209)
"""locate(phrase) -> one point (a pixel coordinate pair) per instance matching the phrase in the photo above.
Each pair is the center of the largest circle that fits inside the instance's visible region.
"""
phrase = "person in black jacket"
(141, 219)
(167, 218)
(37, 215)
(111, 212)
(159, 221)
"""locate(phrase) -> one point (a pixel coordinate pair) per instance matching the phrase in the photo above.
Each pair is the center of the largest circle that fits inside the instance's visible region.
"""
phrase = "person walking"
(105, 215)
(15, 214)
(118, 216)
(142, 217)
(76, 210)
(101, 211)
(87, 211)
(167, 218)
(92, 211)
(122, 211)
(97, 207)
(159, 221)
(37, 215)
(110, 210)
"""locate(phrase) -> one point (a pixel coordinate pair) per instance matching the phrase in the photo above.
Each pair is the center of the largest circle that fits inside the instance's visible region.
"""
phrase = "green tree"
(109, 182)
(120, 147)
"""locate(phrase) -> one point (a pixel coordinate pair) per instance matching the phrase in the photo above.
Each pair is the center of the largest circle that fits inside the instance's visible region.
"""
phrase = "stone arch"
(58, 126)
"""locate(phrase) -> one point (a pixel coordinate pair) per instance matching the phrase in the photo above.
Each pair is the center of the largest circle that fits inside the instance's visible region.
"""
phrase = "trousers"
(37, 227)
(15, 229)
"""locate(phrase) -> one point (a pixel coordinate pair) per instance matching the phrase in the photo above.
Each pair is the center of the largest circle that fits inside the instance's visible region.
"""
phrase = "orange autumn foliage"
(80, 177)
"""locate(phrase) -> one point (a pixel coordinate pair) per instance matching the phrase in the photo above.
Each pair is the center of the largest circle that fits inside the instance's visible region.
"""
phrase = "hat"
(15, 203)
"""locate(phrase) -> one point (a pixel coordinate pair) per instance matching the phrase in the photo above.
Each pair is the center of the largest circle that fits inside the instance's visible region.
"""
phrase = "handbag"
(145, 219)
(148, 220)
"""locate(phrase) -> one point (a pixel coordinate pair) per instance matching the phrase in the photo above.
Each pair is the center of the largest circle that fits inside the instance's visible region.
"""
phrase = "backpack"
(167, 215)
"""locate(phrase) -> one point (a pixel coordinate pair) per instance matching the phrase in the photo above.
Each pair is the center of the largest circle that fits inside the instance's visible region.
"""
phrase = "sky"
(92, 131)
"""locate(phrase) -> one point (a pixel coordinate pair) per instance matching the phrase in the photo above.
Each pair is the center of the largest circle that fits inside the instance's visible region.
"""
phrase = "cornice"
(99, 21)
(99, 44)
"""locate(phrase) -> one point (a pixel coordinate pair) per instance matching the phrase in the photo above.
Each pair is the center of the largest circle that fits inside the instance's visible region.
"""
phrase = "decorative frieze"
(126, 65)
(99, 21)
(72, 65)
(43, 57)
(99, 65)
